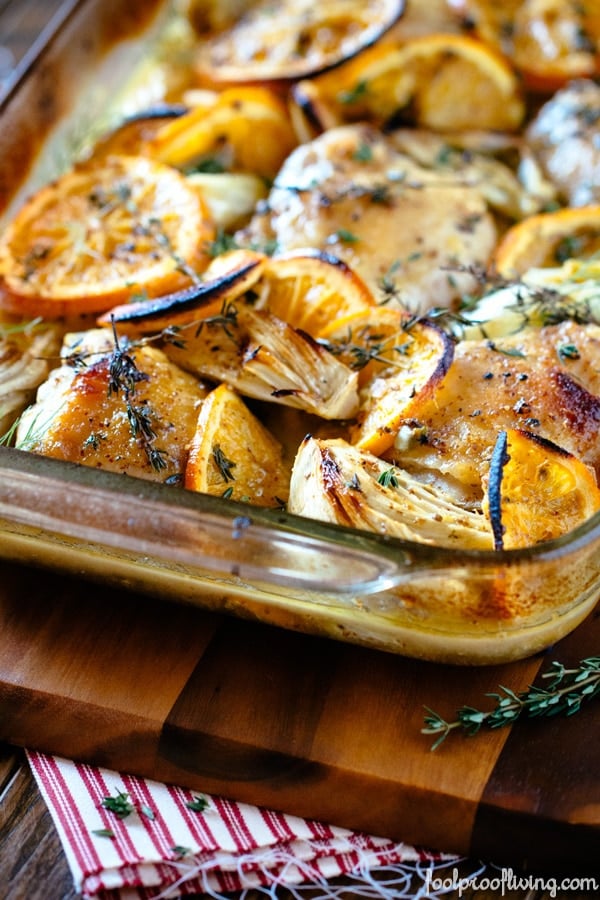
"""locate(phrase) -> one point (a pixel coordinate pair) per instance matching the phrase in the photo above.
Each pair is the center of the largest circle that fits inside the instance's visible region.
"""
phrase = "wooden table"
(66, 616)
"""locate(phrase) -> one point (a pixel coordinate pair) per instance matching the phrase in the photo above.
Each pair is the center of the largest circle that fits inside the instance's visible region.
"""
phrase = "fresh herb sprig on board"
(567, 690)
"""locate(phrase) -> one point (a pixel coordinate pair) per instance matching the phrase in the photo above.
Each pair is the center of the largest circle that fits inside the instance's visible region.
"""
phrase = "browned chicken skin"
(79, 417)
(524, 381)
(351, 192)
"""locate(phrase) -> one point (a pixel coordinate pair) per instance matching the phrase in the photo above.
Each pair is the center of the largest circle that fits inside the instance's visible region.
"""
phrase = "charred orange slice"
(244, 128)
(536, 490)
(293, 39)
(132, 136)
(555, 41)
(228, 277)
(446, 82)
(101, 234)
(308, 289)
(232, 454)
(424, 356)
(549, 239)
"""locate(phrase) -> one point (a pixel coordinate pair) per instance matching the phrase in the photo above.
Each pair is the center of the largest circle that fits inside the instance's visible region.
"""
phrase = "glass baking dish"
(464, 607)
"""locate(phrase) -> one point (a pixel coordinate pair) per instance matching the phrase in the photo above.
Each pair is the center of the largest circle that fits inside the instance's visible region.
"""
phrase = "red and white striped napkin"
(170, 846)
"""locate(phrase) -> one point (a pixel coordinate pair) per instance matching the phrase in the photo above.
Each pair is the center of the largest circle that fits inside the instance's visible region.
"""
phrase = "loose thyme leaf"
(147, 811)
(223, 464)
(348, 237)
(363, 153)
(568, 351)
(227, 319)
(197, 804)
(513, 351)
(120, 805)
(388, 478)
(222, 244)
(567, 690)
(360, 89)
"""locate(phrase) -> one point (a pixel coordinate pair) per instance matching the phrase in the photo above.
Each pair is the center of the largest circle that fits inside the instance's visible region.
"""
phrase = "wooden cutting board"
(306, 725)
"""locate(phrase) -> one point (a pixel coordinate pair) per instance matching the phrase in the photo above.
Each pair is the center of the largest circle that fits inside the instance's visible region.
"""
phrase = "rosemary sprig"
(567, 690)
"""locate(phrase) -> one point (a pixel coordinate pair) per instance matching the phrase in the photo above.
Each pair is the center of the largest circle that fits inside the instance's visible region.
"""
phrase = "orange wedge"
(133, 135)
(424, 355)
(101, 234)
(549, 239)
(549, 41)
(555, 41)
(446, 82)
(370, 340)
(536, 491)
(244, 128)
(293, 39)
(232, 454)
(308, 289)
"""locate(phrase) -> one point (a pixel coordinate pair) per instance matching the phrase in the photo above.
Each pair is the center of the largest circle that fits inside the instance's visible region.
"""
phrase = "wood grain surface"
(306, 725)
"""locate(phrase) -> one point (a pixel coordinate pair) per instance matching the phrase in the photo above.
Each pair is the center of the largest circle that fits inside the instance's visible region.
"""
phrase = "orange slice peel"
(293, 39)
(233, 454)
(100, 234)
(536, 491)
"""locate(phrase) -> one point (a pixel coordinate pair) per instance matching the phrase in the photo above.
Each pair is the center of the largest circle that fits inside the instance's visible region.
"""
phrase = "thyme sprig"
(363, 346)
(537, 305)
(123, 377)
(567, 690)
(227, 319)
(120, 196)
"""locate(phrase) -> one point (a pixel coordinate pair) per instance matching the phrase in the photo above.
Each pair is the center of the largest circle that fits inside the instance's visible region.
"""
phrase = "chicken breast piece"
(565, 139)
(545, 380)
(131, 411)
(403, 228)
